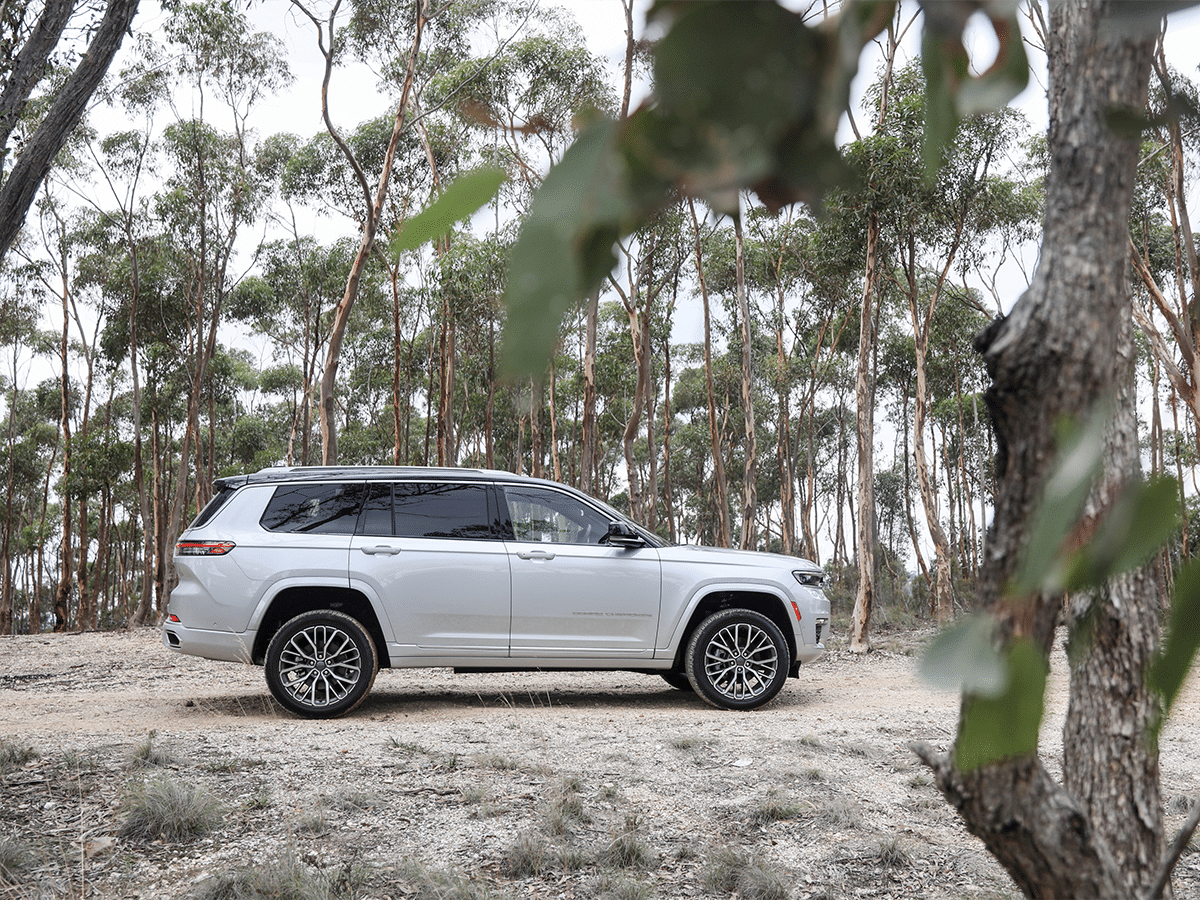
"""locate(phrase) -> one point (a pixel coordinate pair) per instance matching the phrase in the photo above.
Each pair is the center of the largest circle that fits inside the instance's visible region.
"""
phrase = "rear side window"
(314, 508)
(428, 510)
(219, 499)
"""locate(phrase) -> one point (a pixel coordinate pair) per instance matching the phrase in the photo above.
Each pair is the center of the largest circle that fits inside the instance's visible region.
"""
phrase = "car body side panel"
(691, 573)
(224, 593)
(583, 600)
(439, 594)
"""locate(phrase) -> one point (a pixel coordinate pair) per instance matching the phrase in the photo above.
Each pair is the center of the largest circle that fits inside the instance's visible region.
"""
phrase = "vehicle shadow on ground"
(467, 698)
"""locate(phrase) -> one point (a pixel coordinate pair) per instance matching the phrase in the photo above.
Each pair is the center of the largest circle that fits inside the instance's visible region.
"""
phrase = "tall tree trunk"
(588, 459)
(373, 214)
(639, 325)
(942, 584)
(62, 594)
(1065, 348)
(668, 488)
(750, 461)
(864, 397)
(783, 437)
(720, 494)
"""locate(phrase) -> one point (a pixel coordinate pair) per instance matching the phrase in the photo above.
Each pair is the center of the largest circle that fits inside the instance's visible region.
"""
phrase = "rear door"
(429, 551)
(571, 595)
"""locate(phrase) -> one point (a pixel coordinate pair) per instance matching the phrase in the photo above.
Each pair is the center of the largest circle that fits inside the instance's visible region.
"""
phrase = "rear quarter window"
(213, 506)
(314, 508)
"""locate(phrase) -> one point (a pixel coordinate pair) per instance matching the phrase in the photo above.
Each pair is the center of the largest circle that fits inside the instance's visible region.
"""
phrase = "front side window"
(432, 510)
(553, 517)
(314, 508)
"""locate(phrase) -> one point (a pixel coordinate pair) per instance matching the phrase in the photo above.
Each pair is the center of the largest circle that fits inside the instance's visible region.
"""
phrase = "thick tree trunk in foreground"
(1064, 348)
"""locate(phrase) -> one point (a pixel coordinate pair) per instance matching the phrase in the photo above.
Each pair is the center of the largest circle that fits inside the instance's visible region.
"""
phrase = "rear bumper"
(221, 645)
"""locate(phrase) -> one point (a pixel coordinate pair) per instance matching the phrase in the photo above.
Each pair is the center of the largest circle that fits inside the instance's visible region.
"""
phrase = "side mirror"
(621, 535)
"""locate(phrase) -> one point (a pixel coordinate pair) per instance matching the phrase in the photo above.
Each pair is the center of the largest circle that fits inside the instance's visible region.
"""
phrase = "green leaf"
(565, 248)
(1182, 639)
(1045, 567)
(1140, 522)
(995, 728)
(964, 658)
(468, 193)
(952, 93)
(749, 98)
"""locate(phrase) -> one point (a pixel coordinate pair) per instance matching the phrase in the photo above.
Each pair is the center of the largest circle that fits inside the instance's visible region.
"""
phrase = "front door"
(571, 595)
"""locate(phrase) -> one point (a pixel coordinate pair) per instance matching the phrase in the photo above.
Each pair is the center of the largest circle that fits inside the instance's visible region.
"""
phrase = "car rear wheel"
(321, 664)
(737, 659)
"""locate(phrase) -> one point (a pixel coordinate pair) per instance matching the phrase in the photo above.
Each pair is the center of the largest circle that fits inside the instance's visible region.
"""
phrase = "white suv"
(323, 575)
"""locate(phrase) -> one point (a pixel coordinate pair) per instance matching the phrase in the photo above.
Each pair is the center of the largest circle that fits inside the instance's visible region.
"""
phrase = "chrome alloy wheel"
(320, 665)
(741, 661)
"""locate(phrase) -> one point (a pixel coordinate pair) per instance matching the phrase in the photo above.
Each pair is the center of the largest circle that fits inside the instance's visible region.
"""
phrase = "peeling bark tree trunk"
(720, 486)
(373, 213)
(864, 398)
(587, 466)
(750, 466)
(1064, 348)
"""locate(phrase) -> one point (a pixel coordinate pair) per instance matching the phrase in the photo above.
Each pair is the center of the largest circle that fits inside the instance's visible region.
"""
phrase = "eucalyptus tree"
(213, 189)
(515, 105)
(25, 441)
(289, 301)
(1162, 243)
(123, 159)
(778, 272)
(723, 536)
(932, 228)
(864, 392)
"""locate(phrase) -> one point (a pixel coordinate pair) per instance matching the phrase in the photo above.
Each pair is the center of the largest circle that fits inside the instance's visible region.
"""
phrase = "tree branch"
(64, 114)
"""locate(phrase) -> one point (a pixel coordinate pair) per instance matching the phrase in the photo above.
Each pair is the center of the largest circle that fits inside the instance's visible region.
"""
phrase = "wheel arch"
(292, 601)
(765, 602)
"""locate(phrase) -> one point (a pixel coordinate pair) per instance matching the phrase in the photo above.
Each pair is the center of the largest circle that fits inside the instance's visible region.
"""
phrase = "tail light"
(203, 548)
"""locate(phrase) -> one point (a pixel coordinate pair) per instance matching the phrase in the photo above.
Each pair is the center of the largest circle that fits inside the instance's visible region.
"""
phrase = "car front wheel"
(321, 664)
(737, 659)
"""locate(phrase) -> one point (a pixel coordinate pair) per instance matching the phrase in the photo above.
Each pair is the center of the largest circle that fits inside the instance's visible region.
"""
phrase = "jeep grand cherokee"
(324, 575)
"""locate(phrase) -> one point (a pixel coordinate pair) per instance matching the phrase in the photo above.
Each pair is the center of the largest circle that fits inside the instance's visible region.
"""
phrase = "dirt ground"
(538, 785)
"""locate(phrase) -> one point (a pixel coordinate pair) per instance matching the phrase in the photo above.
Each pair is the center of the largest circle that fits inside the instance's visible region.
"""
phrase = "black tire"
(737, 659)
(321, 664)
(677, 680)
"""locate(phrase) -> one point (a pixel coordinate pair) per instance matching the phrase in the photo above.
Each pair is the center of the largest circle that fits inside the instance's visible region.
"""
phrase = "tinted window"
(441, 510)
(553, 517)
(224, 492)
(317, 508)
(376, 516)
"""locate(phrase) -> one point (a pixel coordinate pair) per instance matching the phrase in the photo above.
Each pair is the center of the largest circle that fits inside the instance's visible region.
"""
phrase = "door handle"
(381, 550)
(535, 554)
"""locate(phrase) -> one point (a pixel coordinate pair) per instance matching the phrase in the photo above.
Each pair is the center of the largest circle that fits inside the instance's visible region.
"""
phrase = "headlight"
(810, 579)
